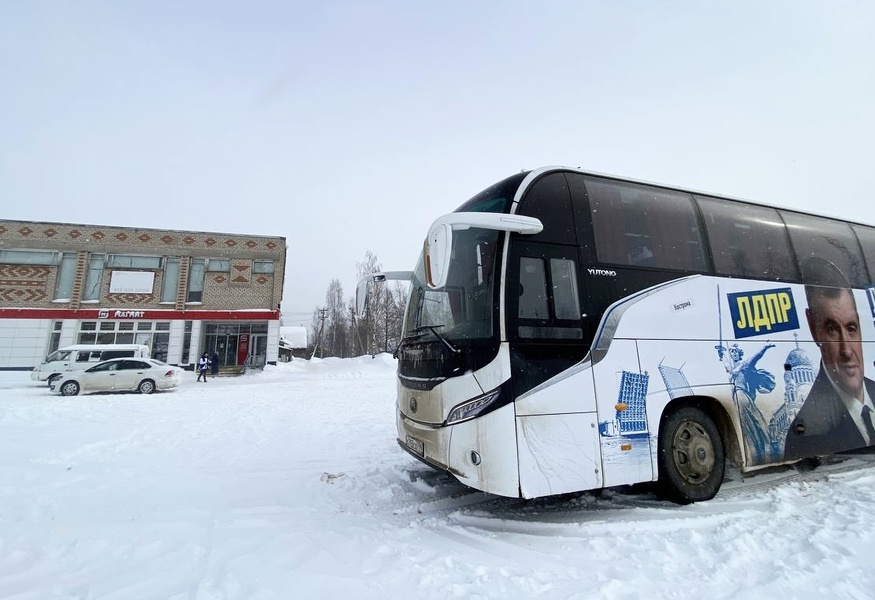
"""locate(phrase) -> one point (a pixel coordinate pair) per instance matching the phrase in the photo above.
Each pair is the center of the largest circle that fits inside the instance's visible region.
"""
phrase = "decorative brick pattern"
(79, 280)
(22, 285)
(32, 286)
(241, 272)
(126, 299)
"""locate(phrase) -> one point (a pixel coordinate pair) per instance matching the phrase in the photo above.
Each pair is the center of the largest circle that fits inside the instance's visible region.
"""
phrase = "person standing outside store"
(203, 366)
(214, 364)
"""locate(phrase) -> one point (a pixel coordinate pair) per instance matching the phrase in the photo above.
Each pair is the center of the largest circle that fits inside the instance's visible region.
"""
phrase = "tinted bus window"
(549, 200)
(827, 239)
(643, 226)
(533, 289)
(747, 241)
(866, 235)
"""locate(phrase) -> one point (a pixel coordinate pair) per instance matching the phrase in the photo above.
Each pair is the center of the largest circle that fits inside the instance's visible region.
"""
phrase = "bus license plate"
(415, 445)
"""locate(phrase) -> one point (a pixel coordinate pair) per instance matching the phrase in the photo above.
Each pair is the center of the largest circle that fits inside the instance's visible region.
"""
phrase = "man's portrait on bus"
(836, 415)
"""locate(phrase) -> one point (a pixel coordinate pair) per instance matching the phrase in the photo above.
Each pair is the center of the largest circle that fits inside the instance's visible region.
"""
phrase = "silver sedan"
(143, 375)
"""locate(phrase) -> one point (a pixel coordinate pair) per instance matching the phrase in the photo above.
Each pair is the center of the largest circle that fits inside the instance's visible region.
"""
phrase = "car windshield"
(58, 355)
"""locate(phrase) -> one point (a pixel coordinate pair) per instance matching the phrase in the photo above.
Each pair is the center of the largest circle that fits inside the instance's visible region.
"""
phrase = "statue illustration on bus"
(748, 380)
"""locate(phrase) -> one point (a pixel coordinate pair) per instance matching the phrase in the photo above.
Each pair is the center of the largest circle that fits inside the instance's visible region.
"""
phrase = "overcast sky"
(350, 126)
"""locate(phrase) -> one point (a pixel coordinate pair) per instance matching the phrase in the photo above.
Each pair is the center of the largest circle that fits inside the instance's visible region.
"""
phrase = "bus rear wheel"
(691, 457)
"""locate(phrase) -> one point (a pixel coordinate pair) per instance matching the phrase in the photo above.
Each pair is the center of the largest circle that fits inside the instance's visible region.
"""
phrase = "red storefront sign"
(242, 348)
(128, 314)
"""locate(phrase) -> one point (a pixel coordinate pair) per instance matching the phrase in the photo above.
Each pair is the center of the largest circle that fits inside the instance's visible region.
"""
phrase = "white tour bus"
(83, 356)
(569, 331)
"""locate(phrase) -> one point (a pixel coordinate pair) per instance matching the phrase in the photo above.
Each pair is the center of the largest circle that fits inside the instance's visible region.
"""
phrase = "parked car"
(144, 375)
(81, 356)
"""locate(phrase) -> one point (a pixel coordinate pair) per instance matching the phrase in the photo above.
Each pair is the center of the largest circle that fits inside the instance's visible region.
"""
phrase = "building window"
(171, 280)
(55, 338)
(94, 278)
(186, 343)
(219, 265)
(196, 280)
(154, 334)
(28, 257)
(64, 282)
(133, 261)
(262, 266)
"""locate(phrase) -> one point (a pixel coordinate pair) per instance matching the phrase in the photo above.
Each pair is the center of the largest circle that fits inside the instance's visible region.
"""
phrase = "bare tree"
(336, 326)
(339, 331)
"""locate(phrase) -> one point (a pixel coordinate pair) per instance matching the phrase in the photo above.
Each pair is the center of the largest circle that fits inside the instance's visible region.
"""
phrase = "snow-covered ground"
(288, 484)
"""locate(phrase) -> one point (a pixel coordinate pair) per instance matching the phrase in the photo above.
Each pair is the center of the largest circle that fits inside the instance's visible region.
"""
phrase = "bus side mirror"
(362, 288)
(438, 246)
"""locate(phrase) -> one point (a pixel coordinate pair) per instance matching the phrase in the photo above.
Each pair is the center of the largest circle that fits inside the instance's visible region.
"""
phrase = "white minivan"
(83, 356)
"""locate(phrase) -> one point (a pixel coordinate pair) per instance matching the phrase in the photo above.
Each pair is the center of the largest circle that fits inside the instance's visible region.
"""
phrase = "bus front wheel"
(691, 458)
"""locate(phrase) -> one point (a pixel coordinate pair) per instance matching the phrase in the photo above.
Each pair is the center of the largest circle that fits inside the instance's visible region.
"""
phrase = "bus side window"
(550, 201)
(747, 240)
(533, 289)
(828, 239)
(82, 356)
(866, 235)
(644, 226)
(566, 301)
(550, 297)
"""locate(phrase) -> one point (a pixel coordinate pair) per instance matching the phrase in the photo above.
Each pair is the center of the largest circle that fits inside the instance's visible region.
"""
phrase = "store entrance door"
(257, 351)
(226, 348)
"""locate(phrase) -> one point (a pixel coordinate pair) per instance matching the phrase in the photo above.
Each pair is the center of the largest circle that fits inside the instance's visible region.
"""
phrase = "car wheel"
(691, 458)
(147, 386)
(70, 388)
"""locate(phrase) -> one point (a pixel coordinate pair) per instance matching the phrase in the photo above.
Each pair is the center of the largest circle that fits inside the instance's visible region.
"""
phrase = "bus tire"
(691, 458)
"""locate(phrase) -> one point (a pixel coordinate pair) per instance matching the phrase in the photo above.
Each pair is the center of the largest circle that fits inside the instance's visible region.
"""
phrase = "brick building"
(180, 292)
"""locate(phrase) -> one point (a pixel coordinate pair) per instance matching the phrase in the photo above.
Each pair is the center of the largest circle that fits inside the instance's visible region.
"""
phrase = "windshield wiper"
(418, 332)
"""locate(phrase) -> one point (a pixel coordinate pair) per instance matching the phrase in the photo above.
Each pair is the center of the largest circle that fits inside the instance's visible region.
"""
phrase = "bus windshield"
(454, 329)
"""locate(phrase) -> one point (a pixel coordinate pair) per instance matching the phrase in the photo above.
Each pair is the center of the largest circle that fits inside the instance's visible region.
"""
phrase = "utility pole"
(371, 329)
(323, 314)
(358, 334)
(386, 329)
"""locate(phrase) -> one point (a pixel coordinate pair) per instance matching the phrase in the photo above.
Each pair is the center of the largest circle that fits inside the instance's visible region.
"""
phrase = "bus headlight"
(472, 408)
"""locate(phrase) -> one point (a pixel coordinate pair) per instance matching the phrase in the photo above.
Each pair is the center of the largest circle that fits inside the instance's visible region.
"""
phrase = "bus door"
(547, 323)
(549, 333)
